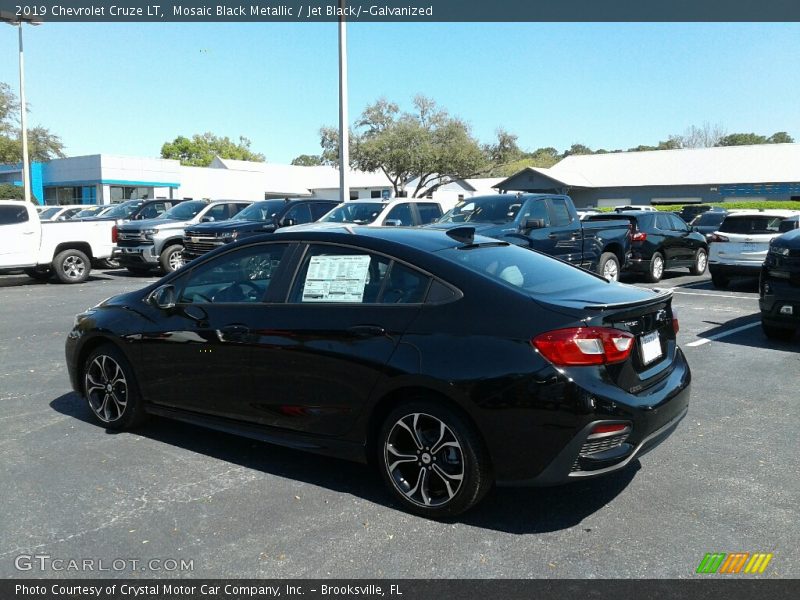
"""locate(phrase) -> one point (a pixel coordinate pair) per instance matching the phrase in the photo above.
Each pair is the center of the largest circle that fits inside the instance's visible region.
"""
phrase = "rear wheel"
(72, 266)
(433, 460)
(700, 262)
(110, 389)
(777, 333)
(172, 258)
(608, 266)
(656, 271)
(719, 281)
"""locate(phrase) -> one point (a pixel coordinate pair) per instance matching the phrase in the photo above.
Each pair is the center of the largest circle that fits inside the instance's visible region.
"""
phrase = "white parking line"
(674, 291)
(717, 336)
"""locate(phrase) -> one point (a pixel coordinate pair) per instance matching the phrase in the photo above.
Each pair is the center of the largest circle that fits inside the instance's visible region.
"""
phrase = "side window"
(560, 212)
(677, 223)
(402, 213)
(237, 208)
(240, 276)
(429, 212)
(11, 215)
(536, 209)
(662, 222)
(216, 213)
(348, 275)
(299, 213)
(318, 209)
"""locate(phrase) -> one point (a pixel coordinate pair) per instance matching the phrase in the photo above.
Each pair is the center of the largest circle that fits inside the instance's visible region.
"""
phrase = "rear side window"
(10, 215)
(561, 216)
(518, 267)
(334, 274)
(429, 212)
(753, 224)
(662, 222)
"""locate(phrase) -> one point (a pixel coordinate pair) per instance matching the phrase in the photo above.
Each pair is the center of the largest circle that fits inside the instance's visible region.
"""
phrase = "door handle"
(366, 330)
(553, 236)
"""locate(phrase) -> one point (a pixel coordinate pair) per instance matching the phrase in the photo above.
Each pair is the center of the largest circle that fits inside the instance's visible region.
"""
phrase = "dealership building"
(725, 174)
(105, 179)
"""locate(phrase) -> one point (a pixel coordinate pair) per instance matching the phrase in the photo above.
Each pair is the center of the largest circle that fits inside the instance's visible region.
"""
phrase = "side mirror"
(163, 297)
(207, 220)
(527, 224)
(393, 223)
(289, 222)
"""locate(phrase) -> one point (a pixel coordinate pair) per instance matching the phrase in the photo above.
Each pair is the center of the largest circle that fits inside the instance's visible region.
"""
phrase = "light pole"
(344, 135)
(23, 109)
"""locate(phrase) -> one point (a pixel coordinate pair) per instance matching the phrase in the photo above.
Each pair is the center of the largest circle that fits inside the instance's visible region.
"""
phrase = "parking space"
(725, 481)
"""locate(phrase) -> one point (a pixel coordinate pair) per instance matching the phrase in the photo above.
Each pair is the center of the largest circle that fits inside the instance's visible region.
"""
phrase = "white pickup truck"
(66, 249)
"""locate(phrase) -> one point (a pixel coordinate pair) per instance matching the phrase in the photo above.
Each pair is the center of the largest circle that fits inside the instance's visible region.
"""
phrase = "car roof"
(763, 213)
(427, 240)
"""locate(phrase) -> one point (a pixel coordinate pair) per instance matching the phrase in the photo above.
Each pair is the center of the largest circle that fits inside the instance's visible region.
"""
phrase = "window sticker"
(336, 278)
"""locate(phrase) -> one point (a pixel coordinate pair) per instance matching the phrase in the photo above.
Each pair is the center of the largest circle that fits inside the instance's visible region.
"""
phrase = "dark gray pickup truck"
(549, 224)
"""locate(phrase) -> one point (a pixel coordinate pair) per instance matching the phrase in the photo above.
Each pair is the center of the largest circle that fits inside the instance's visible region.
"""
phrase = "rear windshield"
(751, 224)
(710, 219)
(521, 268)
(499, 209)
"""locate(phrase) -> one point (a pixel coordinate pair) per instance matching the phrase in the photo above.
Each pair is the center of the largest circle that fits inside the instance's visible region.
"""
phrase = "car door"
(400, 214)
(565, 231)
(318, 355)
(427, 212)
(670, 244)
(685, 245)
(19, 235)
(197, 355)
(296, 215)
(536, 238)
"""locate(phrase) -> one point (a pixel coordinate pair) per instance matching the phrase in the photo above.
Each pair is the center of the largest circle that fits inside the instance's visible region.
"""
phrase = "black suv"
(779, 288)
(261, 217)
(660, 241)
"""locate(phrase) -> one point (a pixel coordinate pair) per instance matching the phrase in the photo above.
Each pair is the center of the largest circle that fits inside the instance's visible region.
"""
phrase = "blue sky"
(126, 88)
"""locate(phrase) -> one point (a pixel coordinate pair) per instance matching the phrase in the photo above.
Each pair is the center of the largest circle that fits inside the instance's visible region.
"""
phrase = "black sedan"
(450, 361)
(779, 289)
(661, 241)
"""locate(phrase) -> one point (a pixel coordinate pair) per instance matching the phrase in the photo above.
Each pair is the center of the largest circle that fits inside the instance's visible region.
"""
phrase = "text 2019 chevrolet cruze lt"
(450, 360)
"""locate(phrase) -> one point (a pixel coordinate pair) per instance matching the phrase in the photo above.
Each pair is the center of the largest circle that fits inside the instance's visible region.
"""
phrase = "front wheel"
(656, 268)
(109, 386)
(433, 460)
(777, 333)
(608, 266)
(72, 266)
(172, 258)
(700, 262)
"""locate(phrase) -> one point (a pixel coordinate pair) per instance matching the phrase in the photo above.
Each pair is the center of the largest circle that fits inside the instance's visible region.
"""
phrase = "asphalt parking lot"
(727, 480)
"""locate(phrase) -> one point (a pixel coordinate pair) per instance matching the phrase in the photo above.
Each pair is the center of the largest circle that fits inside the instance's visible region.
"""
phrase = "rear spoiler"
(660, 296)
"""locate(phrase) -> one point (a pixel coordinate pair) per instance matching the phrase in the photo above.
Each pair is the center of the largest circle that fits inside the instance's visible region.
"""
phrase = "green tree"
(578, 149)
(9, 191)
(426, 146)
(201, 149)
(780, 137)
(742, 139)
(307, 160)
(42, 144)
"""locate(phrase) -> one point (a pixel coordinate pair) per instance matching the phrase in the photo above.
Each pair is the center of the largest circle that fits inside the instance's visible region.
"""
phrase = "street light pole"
(23, 121)
(344, 136)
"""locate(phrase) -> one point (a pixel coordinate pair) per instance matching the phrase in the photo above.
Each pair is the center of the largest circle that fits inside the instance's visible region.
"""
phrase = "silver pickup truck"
(158, 243)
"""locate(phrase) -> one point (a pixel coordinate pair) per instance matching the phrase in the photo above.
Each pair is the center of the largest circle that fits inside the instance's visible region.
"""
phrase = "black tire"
(138, 270)
(461, 454)
(122, 409)
(700, 262)
(656, 270)
(39, 274)
(72, 266)
(719, 281)
(608, 266)
(777, 333)
(168, 260)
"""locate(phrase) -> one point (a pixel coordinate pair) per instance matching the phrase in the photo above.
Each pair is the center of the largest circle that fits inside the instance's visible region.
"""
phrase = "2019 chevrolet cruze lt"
(451, 361)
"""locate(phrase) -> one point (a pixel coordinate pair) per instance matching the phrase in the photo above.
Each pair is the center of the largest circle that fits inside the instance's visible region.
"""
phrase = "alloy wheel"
(73, 267)
(610, 270)
(658, 267)
(424, 460)
(175, 260)
(106, 388)
(702, 259)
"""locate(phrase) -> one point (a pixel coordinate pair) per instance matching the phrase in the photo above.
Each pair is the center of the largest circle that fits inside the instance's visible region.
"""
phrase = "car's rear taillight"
(578, 346)
(114, 234)
(675, 326)
(638, 236)
(715, 237)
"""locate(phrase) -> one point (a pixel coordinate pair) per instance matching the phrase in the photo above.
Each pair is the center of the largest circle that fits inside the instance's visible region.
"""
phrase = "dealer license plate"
(651, 347)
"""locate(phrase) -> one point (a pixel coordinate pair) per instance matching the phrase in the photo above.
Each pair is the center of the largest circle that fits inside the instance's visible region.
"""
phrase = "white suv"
(740, 245)
(381, 213)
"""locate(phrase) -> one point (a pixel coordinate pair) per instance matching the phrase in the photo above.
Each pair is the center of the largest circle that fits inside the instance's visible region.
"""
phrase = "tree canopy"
(307, 160)
(42, 144)
(200, 150)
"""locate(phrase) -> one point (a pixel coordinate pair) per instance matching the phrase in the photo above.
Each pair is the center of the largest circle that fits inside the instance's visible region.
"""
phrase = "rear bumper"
(743, 268)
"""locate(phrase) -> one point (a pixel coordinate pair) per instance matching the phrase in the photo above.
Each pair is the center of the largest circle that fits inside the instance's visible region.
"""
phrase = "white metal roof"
(764, 163)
